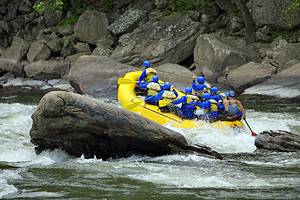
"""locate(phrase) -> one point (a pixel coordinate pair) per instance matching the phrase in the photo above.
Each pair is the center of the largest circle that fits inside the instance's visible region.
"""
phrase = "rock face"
(12, 66)
(213, 54)
(285, 84)
(281, 141)
(97, 75)
(171, 39)
(81, 125)
(50, 69)
(177, 75)
(248, 75)
(18, 49)
(127, 22)
(272, 12)
(91, 27)
(38, 51)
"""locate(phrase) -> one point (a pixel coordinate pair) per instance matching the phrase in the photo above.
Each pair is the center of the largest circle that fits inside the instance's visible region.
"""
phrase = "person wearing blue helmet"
(218, 97)
(199, 87)
(188, 104)
(153, 88)
(234, 108)
(165, 98)
(210, 106)
(147, 73)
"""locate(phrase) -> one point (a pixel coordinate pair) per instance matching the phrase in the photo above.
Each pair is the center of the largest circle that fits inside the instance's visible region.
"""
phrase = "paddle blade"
(253, 134)
(133, 105)
(125, 81)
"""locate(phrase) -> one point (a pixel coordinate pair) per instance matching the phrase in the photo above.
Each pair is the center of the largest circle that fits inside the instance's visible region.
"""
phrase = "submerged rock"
(281, 141)
(82, 125)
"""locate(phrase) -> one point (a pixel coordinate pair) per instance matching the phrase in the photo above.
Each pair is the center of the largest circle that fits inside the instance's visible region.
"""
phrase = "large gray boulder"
(127, 22)
(177, 75)
(281, 52)
(275, 13)
(49, 69)
(248, 75)
(285, 84)
(18, 49)
(91, 27)
(171, 39)
(97, 75)
(83, 126)
(12, 66)
(38, 51)
(213, 54)
(278, 141)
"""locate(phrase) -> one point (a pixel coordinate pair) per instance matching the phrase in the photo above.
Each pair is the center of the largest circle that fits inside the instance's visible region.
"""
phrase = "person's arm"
(176, 94)
(142, 76)
(241, 108)
(194, 85)
(178, 101)
(226, 104)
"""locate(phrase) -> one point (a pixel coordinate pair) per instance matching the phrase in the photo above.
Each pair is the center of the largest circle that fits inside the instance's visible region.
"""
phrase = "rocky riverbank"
(105, 41)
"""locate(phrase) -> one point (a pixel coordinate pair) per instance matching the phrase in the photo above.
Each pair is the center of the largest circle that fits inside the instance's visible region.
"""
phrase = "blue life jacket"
(188, 106)
(217, 97)
(233, 110)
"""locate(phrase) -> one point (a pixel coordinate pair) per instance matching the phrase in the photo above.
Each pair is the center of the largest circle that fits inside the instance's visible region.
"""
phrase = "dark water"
(242, 175)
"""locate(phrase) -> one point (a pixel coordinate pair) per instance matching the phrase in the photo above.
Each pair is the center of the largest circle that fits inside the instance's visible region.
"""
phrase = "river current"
(243, 174)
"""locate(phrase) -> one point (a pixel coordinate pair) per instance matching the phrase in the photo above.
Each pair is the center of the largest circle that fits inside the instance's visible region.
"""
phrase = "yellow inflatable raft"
(130, 101)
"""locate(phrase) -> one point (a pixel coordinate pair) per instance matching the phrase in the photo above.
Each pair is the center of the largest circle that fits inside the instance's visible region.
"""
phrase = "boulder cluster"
(104, 43)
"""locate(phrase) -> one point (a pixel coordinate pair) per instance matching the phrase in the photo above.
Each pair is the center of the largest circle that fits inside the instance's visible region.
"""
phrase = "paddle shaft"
(252, 132)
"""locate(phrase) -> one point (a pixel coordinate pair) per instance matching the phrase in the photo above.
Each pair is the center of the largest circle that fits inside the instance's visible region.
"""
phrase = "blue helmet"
(206, 96)
(146, 63)
(214, 90)
(167, 86)
(231, 94)
(188, 90)
(201, 79)
(155, 79)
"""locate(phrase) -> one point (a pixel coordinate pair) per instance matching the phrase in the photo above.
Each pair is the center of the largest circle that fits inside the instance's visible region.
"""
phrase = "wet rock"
(18, 49)
(55, 45)
(127, 22)
(97, 75)
(171, 39)
(248, 75)
(73, 58)
(84, 126)
(285, 84)
(214, 53)
(177, 75)
(91, 27)
(12, 66)
(38, 51)
(49, 69)
(273, 13)
(278, 141)
(13, 86)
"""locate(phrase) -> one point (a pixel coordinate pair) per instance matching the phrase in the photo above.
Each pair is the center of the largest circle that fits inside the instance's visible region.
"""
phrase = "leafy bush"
(53, 5)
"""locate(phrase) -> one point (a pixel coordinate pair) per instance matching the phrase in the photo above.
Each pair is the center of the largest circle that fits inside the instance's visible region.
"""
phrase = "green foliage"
(107, 5)
(291, 11)
(199, 5)
(53, 5)
(71, 20)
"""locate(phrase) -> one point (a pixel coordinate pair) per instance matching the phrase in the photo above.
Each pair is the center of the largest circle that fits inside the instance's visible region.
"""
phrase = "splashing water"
(23, 174)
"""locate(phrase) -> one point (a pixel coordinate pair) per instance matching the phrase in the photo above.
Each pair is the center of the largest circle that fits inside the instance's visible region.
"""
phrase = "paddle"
(125, 81)
(252, 132)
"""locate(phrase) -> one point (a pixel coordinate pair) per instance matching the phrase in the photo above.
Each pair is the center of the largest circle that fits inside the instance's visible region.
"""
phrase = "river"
(56, 175)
